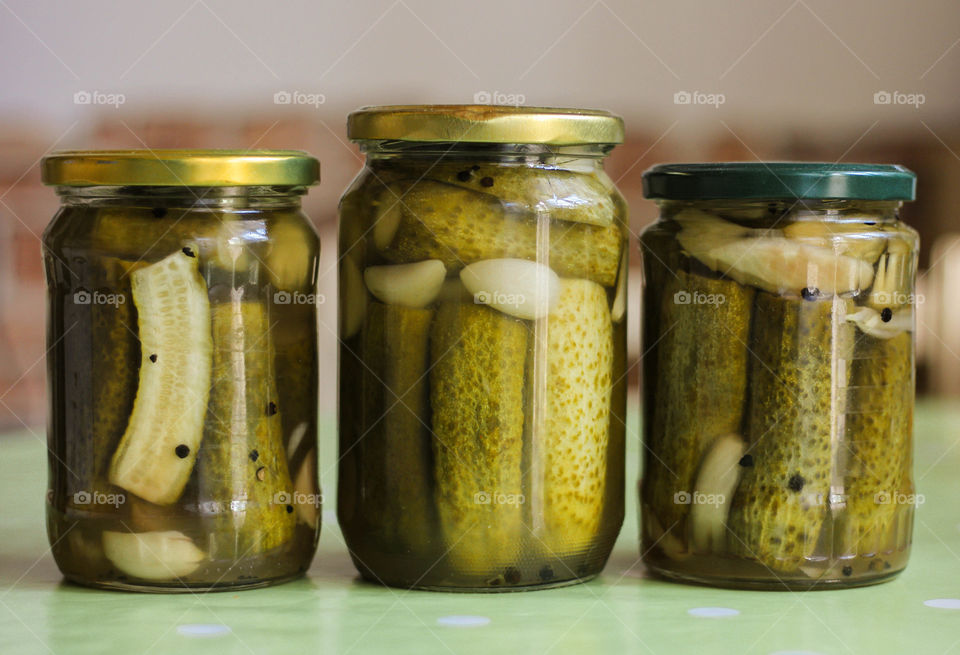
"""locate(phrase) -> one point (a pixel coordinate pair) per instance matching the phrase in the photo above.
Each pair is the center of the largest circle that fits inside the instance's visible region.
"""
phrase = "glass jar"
(778, 331)
(482, 362)
(182, 368)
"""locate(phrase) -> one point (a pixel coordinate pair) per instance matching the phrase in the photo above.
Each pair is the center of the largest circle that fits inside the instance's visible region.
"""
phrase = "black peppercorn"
(464, 176)
(886, 314)
(271, 408)
(289, 509)
(188, 251)
(486, 181)
(796, 482)
(153, 358)
(254, 455)
(746, 461)
(847, 570)
(182, 451)
(810, 293)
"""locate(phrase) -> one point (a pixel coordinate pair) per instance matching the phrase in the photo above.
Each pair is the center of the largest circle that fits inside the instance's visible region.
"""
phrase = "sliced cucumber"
(159, 447)
(165, 555)
(768, 260)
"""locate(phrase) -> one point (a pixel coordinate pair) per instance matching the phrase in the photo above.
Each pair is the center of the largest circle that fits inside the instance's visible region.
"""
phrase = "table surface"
(622, 611)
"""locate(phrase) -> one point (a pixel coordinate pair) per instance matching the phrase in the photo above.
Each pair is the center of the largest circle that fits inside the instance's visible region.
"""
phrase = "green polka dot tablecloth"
(623, 611)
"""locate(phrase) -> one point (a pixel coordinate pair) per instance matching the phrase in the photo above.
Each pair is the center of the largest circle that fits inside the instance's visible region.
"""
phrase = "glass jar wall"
(778, 374)
(182, 369)
(482, 364)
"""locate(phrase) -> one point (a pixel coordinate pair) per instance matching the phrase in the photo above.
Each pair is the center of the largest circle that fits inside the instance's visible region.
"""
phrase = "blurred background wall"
(840, 80)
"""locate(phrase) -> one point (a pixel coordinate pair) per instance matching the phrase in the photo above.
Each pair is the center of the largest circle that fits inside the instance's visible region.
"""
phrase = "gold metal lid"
(485, 124)
(180, 168)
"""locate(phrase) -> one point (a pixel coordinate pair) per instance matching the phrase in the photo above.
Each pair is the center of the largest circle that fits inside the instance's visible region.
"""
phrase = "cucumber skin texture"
(459, 226)
(880, 444)
(698, 389)
(797, 401)
(560, 194)
(115, 362)
(395, 456)
(576, 432)
(477, 393)
(239, 422)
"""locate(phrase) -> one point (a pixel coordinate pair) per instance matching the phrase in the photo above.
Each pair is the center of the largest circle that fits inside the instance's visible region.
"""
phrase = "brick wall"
(26, 207)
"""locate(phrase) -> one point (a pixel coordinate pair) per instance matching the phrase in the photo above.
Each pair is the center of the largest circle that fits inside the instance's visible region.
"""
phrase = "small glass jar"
(482, 364)
(182, 368)
(778, 331)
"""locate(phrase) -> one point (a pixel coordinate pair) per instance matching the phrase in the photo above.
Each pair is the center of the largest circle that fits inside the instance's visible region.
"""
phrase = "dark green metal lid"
(779, 180)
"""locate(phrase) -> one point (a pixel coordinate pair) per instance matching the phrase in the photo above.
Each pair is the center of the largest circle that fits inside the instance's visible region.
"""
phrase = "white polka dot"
(203, 630)
(463, 621)
(712, 612)
(944, 603)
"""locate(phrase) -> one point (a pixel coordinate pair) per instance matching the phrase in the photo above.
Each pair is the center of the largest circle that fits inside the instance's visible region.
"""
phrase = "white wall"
(796, 63)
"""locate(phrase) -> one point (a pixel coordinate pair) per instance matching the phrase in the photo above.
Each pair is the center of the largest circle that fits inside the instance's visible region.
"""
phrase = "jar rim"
(779, 180)
(485, 124)
(176, 167)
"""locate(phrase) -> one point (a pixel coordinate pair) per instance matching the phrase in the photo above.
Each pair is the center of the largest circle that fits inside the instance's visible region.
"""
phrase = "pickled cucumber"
(701, 386)
(291, 258)
(477, 394)
(848, 237)
(554, 192)
(768, 260)
(243, 480)
(395, 450)
(159, 447)
(894, 277)
(576, 424)
(458, 226)
(219, 238)
(798, 381)
(114, 338)
(880, 422)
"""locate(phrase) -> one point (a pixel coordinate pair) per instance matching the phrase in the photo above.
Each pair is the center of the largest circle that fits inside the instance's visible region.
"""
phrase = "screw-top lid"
(485, 124)
(198, 168)
(779, 180)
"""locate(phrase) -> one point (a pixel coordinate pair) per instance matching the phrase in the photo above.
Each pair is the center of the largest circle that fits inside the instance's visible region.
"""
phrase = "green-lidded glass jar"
(182, 368)
(482, 362)
(778, 332)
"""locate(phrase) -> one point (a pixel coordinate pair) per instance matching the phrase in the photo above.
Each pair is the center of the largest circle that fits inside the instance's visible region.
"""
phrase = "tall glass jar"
(182, 368)
(482, 362)
(778, 374)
